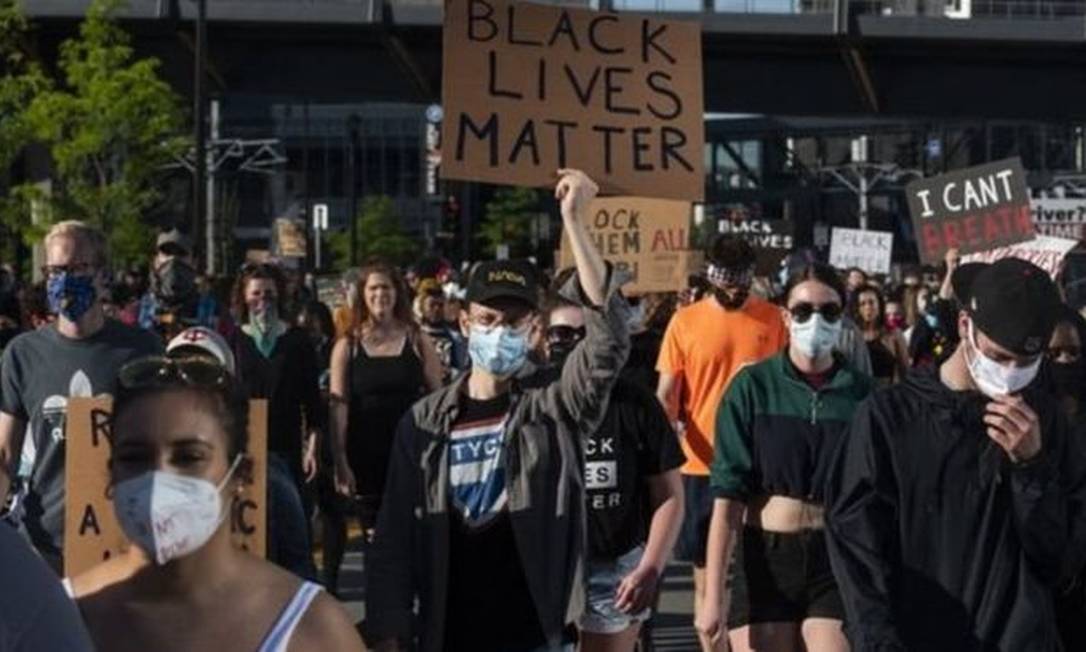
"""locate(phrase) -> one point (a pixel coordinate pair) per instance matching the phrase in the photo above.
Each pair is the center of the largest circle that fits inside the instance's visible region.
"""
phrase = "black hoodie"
(938, 541)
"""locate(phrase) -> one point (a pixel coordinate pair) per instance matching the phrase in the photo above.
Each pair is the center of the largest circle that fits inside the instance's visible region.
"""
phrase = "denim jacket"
(544, 462)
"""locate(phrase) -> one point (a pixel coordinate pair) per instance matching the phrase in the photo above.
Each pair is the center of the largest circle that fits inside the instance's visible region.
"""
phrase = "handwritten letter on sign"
(528, 89)
(91, 531)
(975, 209)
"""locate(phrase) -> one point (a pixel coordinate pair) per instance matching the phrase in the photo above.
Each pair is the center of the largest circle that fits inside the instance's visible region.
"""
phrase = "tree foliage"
(508, 220)
(380, 235)
(110, 125)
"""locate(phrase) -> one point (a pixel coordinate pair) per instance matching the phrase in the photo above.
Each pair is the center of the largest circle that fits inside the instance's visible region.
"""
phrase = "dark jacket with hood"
(543, 455)
(938, 541)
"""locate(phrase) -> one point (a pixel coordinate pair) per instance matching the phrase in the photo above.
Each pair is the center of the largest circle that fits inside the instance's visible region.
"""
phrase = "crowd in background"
(352, 378)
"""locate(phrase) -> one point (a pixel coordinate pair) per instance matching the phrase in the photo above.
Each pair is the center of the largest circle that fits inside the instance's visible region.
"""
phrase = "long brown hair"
(259, 271)
(401, 306)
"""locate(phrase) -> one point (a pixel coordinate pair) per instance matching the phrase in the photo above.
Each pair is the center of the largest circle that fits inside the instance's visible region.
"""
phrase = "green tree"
(110, 124)
(22, 80)
(380, 235)
(508, 220)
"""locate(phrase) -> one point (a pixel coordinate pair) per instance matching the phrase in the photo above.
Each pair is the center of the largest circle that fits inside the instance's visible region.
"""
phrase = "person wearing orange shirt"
(704, 346)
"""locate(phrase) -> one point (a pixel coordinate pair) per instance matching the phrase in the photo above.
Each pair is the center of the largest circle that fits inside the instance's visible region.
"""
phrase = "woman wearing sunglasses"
(178, 457)
(776, 429)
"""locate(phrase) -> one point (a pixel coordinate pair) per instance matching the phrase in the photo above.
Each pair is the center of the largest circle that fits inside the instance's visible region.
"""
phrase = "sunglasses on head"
(162, 371)
(801, 312)
(564, 333)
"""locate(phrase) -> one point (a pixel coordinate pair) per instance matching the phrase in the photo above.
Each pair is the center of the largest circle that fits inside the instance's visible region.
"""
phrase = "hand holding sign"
(575, 191)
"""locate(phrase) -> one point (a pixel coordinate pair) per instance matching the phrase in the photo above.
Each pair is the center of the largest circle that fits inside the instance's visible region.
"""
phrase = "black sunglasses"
(564, 333)
(801, 312)
(161, 371)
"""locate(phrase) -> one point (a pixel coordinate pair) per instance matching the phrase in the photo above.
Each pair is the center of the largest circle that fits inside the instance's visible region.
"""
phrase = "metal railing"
(959, 9)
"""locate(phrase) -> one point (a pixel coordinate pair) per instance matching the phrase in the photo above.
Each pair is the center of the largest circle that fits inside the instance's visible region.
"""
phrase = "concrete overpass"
(1014, 59)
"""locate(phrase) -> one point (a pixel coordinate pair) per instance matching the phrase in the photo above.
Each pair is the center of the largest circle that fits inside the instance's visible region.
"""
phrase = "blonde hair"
(92, 240)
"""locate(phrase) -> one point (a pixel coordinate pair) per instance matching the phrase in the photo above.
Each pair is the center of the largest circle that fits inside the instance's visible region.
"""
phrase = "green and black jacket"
(776, 435)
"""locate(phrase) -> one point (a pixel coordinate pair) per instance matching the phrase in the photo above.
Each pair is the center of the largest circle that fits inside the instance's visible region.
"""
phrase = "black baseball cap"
(1012, 301)
(504, 279)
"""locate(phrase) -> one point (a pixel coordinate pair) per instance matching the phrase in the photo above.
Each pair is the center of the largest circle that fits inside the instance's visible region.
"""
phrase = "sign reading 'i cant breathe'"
(528, 89)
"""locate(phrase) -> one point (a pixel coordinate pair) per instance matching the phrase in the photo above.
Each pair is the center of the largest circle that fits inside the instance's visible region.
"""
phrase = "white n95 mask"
(169, 515)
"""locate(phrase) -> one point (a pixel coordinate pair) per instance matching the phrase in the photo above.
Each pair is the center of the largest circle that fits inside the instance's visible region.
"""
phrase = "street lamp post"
(199, 185)
(353, 124)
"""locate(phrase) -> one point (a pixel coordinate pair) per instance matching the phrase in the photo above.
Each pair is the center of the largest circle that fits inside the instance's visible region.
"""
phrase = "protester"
(1066, 365)
(650, 315)
(207, 305)
(888, 351)
(956, 503)
(855, 278)
(484, 511)
(35, 615)
(178, 454)
(276, 361)
(776, 431)
(704, 346)
(170, 305)
(447, 342)
(378, 372)
(633, 495)
(77, 356)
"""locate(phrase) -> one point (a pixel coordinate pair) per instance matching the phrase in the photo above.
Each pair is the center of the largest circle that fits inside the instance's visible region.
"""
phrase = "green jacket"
(776, 435)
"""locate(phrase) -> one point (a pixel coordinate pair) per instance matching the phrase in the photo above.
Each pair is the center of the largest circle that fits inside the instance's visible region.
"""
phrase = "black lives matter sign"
(528, 89)
(975, 209)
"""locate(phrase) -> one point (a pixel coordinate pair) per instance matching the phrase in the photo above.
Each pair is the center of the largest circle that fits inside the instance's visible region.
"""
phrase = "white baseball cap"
(202, 341)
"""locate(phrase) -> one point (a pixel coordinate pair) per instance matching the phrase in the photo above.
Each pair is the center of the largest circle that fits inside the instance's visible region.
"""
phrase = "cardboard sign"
(975, 209)
(772, 240)
(91, 531)
(528, 89)
(649, 238)
(1044, 251)
(868, 250)
(290, 238)
(1061, 218)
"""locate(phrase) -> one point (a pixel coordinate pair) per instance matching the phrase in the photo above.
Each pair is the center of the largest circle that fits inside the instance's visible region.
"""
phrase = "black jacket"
(937, 540)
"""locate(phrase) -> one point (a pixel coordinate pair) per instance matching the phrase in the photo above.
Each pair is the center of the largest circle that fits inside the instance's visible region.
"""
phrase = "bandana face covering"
(71, 295)
(731, 287)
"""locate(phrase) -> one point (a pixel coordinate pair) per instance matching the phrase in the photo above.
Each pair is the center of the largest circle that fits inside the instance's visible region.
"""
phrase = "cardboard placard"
(290, 238)
(868, 250)
(1046, 252)
(1061, 218)
(91, 531)
(974, 209)
(772, 240)
(528, 89)
(649, 238)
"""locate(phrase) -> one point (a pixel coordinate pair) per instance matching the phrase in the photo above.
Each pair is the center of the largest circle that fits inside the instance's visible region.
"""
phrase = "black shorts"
(694, 535)
(782, 578)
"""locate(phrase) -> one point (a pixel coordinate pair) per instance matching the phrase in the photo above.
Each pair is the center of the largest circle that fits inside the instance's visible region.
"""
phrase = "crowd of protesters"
(848, 462)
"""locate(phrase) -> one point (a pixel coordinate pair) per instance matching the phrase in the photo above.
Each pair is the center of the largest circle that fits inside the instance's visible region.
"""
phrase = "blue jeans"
(288, 532)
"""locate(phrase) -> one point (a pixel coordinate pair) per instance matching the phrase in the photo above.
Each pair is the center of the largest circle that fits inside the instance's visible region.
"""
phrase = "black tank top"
(382, 390)
(883, 361)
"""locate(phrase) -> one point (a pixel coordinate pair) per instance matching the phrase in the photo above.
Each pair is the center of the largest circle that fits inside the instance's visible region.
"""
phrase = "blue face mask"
(501, 351)
(932, 319)
(71, 295)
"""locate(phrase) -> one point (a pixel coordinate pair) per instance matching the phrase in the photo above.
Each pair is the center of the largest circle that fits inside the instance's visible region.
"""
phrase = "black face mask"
(175, 282)
(558, 352)
(1068, 378)
(733, 302)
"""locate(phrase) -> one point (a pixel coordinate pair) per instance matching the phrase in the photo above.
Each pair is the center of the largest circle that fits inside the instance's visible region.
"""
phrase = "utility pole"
(200, 190)
(213, 240)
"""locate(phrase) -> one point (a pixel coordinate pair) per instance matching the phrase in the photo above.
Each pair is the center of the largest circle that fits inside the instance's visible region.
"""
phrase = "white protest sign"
(1061, 218)
(867, 250)
(1044, 251)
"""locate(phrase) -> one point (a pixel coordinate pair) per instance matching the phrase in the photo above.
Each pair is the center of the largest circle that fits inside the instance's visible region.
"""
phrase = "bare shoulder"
(326, 626)
(110, 572)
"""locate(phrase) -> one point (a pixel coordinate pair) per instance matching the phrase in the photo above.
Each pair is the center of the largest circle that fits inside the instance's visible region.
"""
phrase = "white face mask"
(816, 336)
(169, 515)
(994, 379)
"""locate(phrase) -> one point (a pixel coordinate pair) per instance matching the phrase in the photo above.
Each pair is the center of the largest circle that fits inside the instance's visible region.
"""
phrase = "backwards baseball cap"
(1012, 301)
(202, 341)
(504, 279)
(174, 239)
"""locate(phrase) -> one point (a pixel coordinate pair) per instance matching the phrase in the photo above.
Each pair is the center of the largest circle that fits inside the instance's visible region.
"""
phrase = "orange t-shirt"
(704, 347)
